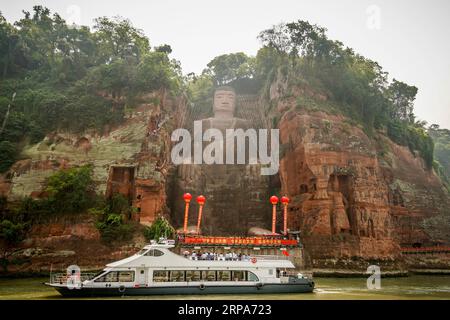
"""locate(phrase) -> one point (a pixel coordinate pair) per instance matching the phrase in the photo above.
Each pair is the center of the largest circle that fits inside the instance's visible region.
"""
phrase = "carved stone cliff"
(354, 196)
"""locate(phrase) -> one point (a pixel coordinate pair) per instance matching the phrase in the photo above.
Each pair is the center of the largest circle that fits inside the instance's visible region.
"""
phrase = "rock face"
(56, 245)
(339, 197)
(419, 203)
(350, 199)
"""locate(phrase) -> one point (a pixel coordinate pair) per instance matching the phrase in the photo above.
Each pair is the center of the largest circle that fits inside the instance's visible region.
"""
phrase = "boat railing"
(246, 258)
(63, 278)
(270, 257)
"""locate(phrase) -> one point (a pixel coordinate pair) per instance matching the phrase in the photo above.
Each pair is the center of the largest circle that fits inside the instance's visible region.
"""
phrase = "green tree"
(113, 219)
(402, 98)
(10, 234)
(230, 67)
(118, 38)
(157, 71)
(159, 228)
(8, 154)
(71, 190)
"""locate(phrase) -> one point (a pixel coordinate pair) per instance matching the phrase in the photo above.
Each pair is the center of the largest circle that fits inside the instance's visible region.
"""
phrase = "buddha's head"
(224, 102)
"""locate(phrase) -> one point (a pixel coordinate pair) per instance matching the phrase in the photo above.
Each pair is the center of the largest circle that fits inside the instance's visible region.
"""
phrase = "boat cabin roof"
(158, 255)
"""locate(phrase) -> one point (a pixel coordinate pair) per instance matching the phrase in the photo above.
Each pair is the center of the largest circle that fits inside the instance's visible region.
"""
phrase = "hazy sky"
(409, 39)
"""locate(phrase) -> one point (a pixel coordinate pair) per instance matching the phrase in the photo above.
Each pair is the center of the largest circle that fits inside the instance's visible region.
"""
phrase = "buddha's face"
(224, 101)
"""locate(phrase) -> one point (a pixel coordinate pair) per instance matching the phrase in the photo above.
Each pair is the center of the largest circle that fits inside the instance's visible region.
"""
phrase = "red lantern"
(201, 200)
(187, 197)
(284, 200)
(273, 199)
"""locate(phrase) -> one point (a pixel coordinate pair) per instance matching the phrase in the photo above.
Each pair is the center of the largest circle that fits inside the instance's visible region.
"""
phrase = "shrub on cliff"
(11, 233)
(159, 228)
(112, 227)
(7, 155)
(71, 190)
(113, 219)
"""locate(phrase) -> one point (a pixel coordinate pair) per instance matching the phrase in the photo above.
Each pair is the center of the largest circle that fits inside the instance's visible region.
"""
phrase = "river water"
(413, 287)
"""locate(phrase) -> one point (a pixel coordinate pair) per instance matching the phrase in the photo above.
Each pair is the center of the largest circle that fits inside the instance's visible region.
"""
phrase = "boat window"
(101, 279)
(126, 276)
(270, 271)
(160, 276)
(154, 253)
(192, 275)
(109, 277)
(142, 252)
(251, 276)
(176, 276)
(223, 275)
(238, 276)
(209, 275)
(98, 274)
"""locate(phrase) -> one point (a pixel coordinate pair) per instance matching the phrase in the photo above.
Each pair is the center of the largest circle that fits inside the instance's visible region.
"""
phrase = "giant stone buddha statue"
(236, 194)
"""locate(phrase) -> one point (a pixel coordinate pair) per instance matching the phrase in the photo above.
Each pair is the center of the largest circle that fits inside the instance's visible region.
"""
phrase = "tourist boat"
(157, 270)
